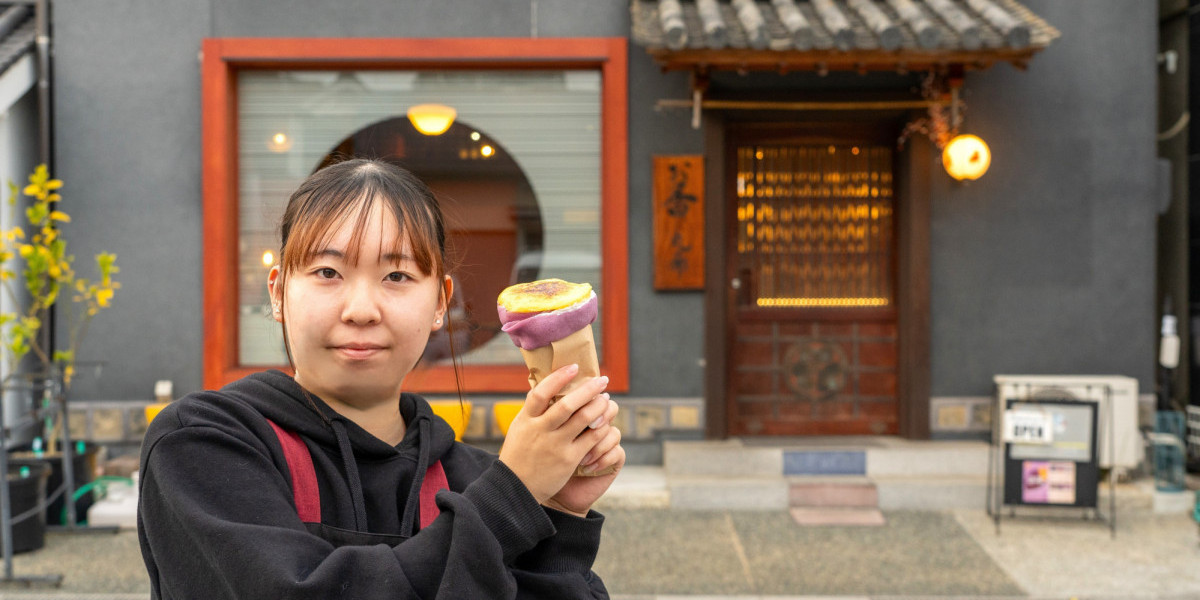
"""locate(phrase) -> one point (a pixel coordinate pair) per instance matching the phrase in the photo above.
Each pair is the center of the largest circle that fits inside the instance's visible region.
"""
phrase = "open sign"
(1028, 427)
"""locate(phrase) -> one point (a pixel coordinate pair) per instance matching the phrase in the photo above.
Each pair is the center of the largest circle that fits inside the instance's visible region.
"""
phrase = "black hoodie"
(217, 519)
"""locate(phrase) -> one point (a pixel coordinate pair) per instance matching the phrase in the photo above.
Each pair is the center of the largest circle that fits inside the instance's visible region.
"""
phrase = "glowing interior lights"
(268, 258)
(279, 142)
(432, 119)
(487, 151)
(807, 302)
(475, 136)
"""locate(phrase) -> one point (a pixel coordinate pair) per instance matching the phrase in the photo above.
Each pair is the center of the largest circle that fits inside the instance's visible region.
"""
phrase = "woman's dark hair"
(349, 190)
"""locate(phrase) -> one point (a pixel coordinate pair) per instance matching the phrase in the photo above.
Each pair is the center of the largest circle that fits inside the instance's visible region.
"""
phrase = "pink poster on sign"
(1048, 482)
(1035, 485)
(1061, 479)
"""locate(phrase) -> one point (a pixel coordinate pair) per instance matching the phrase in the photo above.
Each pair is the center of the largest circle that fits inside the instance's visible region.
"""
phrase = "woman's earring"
(276, 308)
(438, 321)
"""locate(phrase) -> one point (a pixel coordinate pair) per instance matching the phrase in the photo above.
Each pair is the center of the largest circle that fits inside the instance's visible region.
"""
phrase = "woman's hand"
(580, 492)
(546, 442)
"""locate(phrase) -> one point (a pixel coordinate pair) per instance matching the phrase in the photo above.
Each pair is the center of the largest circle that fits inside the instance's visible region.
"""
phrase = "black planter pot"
(83, 468)
(27, 491)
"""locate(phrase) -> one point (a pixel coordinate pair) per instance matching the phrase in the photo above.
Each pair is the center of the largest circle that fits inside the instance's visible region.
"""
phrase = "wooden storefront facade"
(817, 296)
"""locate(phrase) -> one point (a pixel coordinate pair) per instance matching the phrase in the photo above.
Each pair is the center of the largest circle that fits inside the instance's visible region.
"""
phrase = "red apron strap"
(435, 481)
(304, 475)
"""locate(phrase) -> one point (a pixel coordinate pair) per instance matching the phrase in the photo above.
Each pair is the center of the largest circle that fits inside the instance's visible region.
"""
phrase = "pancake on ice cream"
(538, 313)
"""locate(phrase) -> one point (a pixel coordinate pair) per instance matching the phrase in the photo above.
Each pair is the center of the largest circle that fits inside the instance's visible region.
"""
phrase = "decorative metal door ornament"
(815, 370)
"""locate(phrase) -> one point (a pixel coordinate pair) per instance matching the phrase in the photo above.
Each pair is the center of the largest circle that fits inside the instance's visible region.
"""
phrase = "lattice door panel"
(814, 345)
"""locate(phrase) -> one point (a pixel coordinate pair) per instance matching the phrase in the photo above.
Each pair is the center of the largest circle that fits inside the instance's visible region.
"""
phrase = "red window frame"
(223, 58)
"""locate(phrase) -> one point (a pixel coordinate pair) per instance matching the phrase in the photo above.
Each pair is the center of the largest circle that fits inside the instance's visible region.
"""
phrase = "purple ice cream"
(534, 330)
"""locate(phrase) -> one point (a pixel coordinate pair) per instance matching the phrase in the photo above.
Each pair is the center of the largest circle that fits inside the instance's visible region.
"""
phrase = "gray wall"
(666, 329)
(1046, 265)
(128, 146)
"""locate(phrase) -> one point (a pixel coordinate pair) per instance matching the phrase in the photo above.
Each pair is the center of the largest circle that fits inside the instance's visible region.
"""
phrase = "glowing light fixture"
(474, 136)
(966, 157)
(279, 142)
(487, 151)
(432, 119)
(776, 302)
(268, 258)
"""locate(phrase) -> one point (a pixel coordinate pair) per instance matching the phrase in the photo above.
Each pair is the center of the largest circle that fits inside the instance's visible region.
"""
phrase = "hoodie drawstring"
(356, 489)
(414, 492)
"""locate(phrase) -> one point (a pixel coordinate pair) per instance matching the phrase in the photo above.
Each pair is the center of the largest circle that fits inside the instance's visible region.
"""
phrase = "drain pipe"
(42, 16)
(49, 333)
(45, 134)
(46, 127)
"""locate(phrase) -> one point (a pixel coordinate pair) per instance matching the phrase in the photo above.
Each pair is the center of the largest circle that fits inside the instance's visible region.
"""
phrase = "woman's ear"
(439, 317)
(276, 293)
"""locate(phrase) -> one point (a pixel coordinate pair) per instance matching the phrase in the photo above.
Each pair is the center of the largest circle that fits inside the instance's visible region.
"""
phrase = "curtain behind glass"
(548, 121)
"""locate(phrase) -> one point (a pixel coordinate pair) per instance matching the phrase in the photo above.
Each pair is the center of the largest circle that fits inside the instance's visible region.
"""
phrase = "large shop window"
(530, 173)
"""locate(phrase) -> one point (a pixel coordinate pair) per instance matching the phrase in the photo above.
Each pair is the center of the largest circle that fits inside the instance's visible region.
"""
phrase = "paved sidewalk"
(650, 552)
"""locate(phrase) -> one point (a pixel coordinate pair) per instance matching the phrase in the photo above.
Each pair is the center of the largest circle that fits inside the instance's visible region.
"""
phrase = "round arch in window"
(493, 222)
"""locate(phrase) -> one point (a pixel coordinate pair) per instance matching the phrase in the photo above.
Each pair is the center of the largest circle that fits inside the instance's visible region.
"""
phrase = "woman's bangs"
(417, 230)
(312, 233)
(324, 205)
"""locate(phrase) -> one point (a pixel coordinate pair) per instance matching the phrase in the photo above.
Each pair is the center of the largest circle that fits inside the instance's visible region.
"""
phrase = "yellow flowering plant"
(47, 273)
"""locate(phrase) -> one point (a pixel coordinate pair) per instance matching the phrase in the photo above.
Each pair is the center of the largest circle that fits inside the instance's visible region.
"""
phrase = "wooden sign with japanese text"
(678, 222)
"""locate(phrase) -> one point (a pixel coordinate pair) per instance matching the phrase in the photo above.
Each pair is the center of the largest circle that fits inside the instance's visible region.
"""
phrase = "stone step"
(925, 492)
(884, 457)
(940, 458)
(825, 462)
(776, 493)
(815, 517)
(720, 457)
(827, 494)
(727, 493)
(636, 486)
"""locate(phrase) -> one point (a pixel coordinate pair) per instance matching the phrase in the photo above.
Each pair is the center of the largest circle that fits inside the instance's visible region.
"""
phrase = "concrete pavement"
(651, 552)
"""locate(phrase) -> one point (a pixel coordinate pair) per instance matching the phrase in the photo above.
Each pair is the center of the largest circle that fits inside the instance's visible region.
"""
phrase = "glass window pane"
(815, 225)
(518, 175)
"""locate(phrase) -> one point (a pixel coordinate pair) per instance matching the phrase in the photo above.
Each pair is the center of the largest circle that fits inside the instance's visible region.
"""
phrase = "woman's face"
(356, 330)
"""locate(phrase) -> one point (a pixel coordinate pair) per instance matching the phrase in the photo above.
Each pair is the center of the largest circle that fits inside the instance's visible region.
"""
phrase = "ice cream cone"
(551, 335)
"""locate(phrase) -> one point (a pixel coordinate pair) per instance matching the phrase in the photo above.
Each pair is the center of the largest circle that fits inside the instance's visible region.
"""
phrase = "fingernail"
(602, 380)
(589, 469)
(598, 422)
(587, 458)
(572, 368)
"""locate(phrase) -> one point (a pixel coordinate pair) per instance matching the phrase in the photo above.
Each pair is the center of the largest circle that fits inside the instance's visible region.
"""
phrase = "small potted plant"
(36, 272)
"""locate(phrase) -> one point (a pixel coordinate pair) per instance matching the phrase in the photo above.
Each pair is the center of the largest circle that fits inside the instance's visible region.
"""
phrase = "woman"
(332, 483)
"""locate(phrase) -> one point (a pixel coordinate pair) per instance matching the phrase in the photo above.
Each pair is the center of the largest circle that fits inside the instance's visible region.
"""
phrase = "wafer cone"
(578, 348)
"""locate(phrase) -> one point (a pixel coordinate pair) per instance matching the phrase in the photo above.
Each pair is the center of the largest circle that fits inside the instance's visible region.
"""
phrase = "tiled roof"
(840, 29)
(17, 32)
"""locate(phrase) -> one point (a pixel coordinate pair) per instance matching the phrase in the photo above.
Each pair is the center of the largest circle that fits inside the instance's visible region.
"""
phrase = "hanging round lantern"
(966, 157)
(432, 119)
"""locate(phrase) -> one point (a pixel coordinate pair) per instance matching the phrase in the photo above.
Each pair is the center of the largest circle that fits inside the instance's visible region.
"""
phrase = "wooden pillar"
(912, 285)
(716, 287)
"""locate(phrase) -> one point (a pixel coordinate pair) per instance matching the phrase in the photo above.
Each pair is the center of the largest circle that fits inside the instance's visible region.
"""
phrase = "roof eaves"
(861, 34)
(18, 31)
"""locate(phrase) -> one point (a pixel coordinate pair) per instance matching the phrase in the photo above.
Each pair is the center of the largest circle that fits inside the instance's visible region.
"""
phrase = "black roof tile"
(17, 32)
(953, 26)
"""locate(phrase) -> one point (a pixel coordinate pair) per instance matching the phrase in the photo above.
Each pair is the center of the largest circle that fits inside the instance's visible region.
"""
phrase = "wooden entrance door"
(812, 260)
